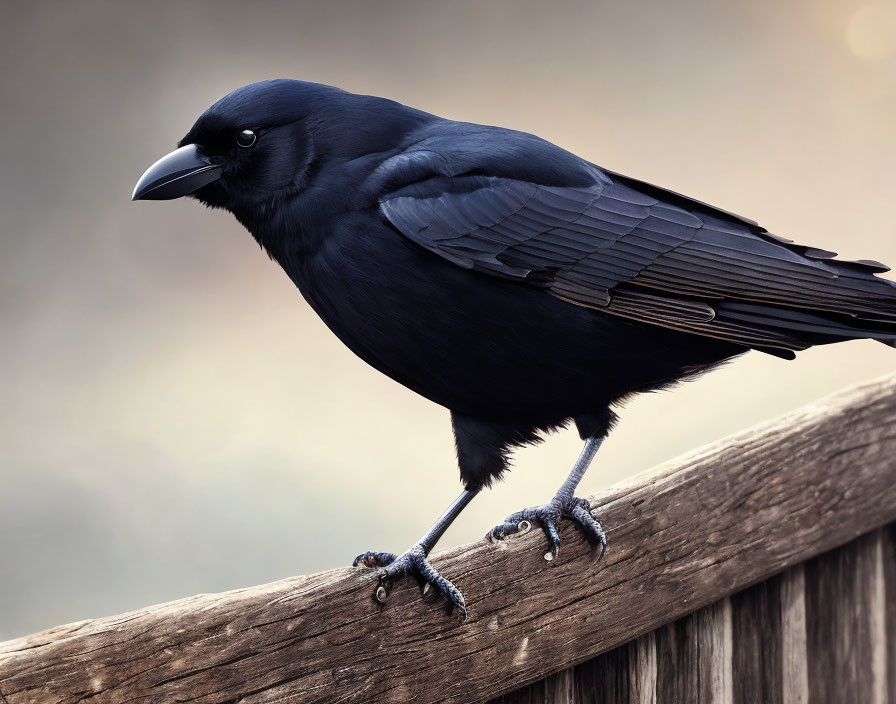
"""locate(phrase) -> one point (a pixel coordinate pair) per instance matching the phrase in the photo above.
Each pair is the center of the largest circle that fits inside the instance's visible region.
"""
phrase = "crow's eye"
(246, 138)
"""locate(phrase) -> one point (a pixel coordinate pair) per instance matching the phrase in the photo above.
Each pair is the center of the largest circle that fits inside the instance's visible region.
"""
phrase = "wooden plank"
(794, 666)
(535, 693)
(888, 557)
(715, 649)
(843, 603)
(681, 537)
(677, 678)
(757, 667)
(876, 617)
(604, 679)
(642, 669)
(561, 688)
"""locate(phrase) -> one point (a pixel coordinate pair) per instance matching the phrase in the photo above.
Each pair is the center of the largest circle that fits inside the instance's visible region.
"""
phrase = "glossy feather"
(505, 278)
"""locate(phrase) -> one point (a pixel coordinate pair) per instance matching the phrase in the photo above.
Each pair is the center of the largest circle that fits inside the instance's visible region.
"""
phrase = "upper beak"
(177, 174)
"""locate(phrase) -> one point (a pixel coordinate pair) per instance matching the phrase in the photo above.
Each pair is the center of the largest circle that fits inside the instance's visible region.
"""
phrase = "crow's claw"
(547, 517)
(414, 564)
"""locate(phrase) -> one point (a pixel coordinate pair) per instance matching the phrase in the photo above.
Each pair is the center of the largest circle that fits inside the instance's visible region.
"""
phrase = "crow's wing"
(631, 249)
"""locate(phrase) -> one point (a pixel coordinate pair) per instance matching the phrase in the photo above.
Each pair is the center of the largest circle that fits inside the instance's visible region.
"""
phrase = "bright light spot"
(871, 32)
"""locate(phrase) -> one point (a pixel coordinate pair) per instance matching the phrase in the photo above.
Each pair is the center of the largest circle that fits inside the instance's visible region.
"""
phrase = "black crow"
(514, 283)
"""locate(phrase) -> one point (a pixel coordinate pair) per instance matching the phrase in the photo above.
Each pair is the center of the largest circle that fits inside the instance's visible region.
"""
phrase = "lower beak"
(177, 174)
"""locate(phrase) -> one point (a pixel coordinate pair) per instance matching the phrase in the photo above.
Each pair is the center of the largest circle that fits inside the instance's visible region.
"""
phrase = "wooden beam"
(759, 645)
(682, 536)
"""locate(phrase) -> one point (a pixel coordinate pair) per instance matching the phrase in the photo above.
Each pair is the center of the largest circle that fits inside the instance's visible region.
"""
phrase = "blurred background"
(175, 419)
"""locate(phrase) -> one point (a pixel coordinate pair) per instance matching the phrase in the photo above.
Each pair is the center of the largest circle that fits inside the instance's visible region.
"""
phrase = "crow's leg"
(564, 505)
(414, 563)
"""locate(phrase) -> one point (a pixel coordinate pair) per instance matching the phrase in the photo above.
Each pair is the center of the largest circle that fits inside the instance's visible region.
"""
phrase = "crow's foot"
(547, 517)
(413, 563)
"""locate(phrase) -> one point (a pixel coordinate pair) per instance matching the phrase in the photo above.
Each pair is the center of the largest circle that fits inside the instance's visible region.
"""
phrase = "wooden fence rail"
(683, 536)
(821, 632)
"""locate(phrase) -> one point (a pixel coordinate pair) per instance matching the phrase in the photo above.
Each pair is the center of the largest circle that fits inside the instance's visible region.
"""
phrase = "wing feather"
(635, 250)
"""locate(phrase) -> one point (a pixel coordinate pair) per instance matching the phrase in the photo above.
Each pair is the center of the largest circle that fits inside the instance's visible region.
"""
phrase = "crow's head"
(263, 142)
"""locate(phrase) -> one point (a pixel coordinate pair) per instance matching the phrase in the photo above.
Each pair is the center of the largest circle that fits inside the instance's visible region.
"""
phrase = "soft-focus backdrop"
(175, 419)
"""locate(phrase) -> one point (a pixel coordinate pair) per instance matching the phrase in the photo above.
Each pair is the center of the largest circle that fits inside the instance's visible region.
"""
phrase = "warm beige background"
(174, 417)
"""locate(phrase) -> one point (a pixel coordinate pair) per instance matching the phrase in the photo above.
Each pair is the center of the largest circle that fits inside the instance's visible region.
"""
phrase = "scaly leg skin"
(413, 563)
(563, 505)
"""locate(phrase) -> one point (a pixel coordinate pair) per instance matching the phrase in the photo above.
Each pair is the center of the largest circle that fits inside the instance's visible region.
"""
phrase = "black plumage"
(501, 276)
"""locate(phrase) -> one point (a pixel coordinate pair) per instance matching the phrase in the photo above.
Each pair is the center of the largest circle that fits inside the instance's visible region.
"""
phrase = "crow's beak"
(177, 174)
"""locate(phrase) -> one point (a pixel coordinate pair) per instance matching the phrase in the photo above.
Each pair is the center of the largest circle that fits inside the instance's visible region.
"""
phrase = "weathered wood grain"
(794, 667)
(560, 688)
(757, 666)
(677, 663)
(888, 557)
(642, 669)
(715, 651)
(708, 664)
(681, 537)
(603, 679)
(876, 618)
(844, 606)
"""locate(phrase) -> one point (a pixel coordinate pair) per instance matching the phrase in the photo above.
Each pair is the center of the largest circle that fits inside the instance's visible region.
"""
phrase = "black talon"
(590, 527)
